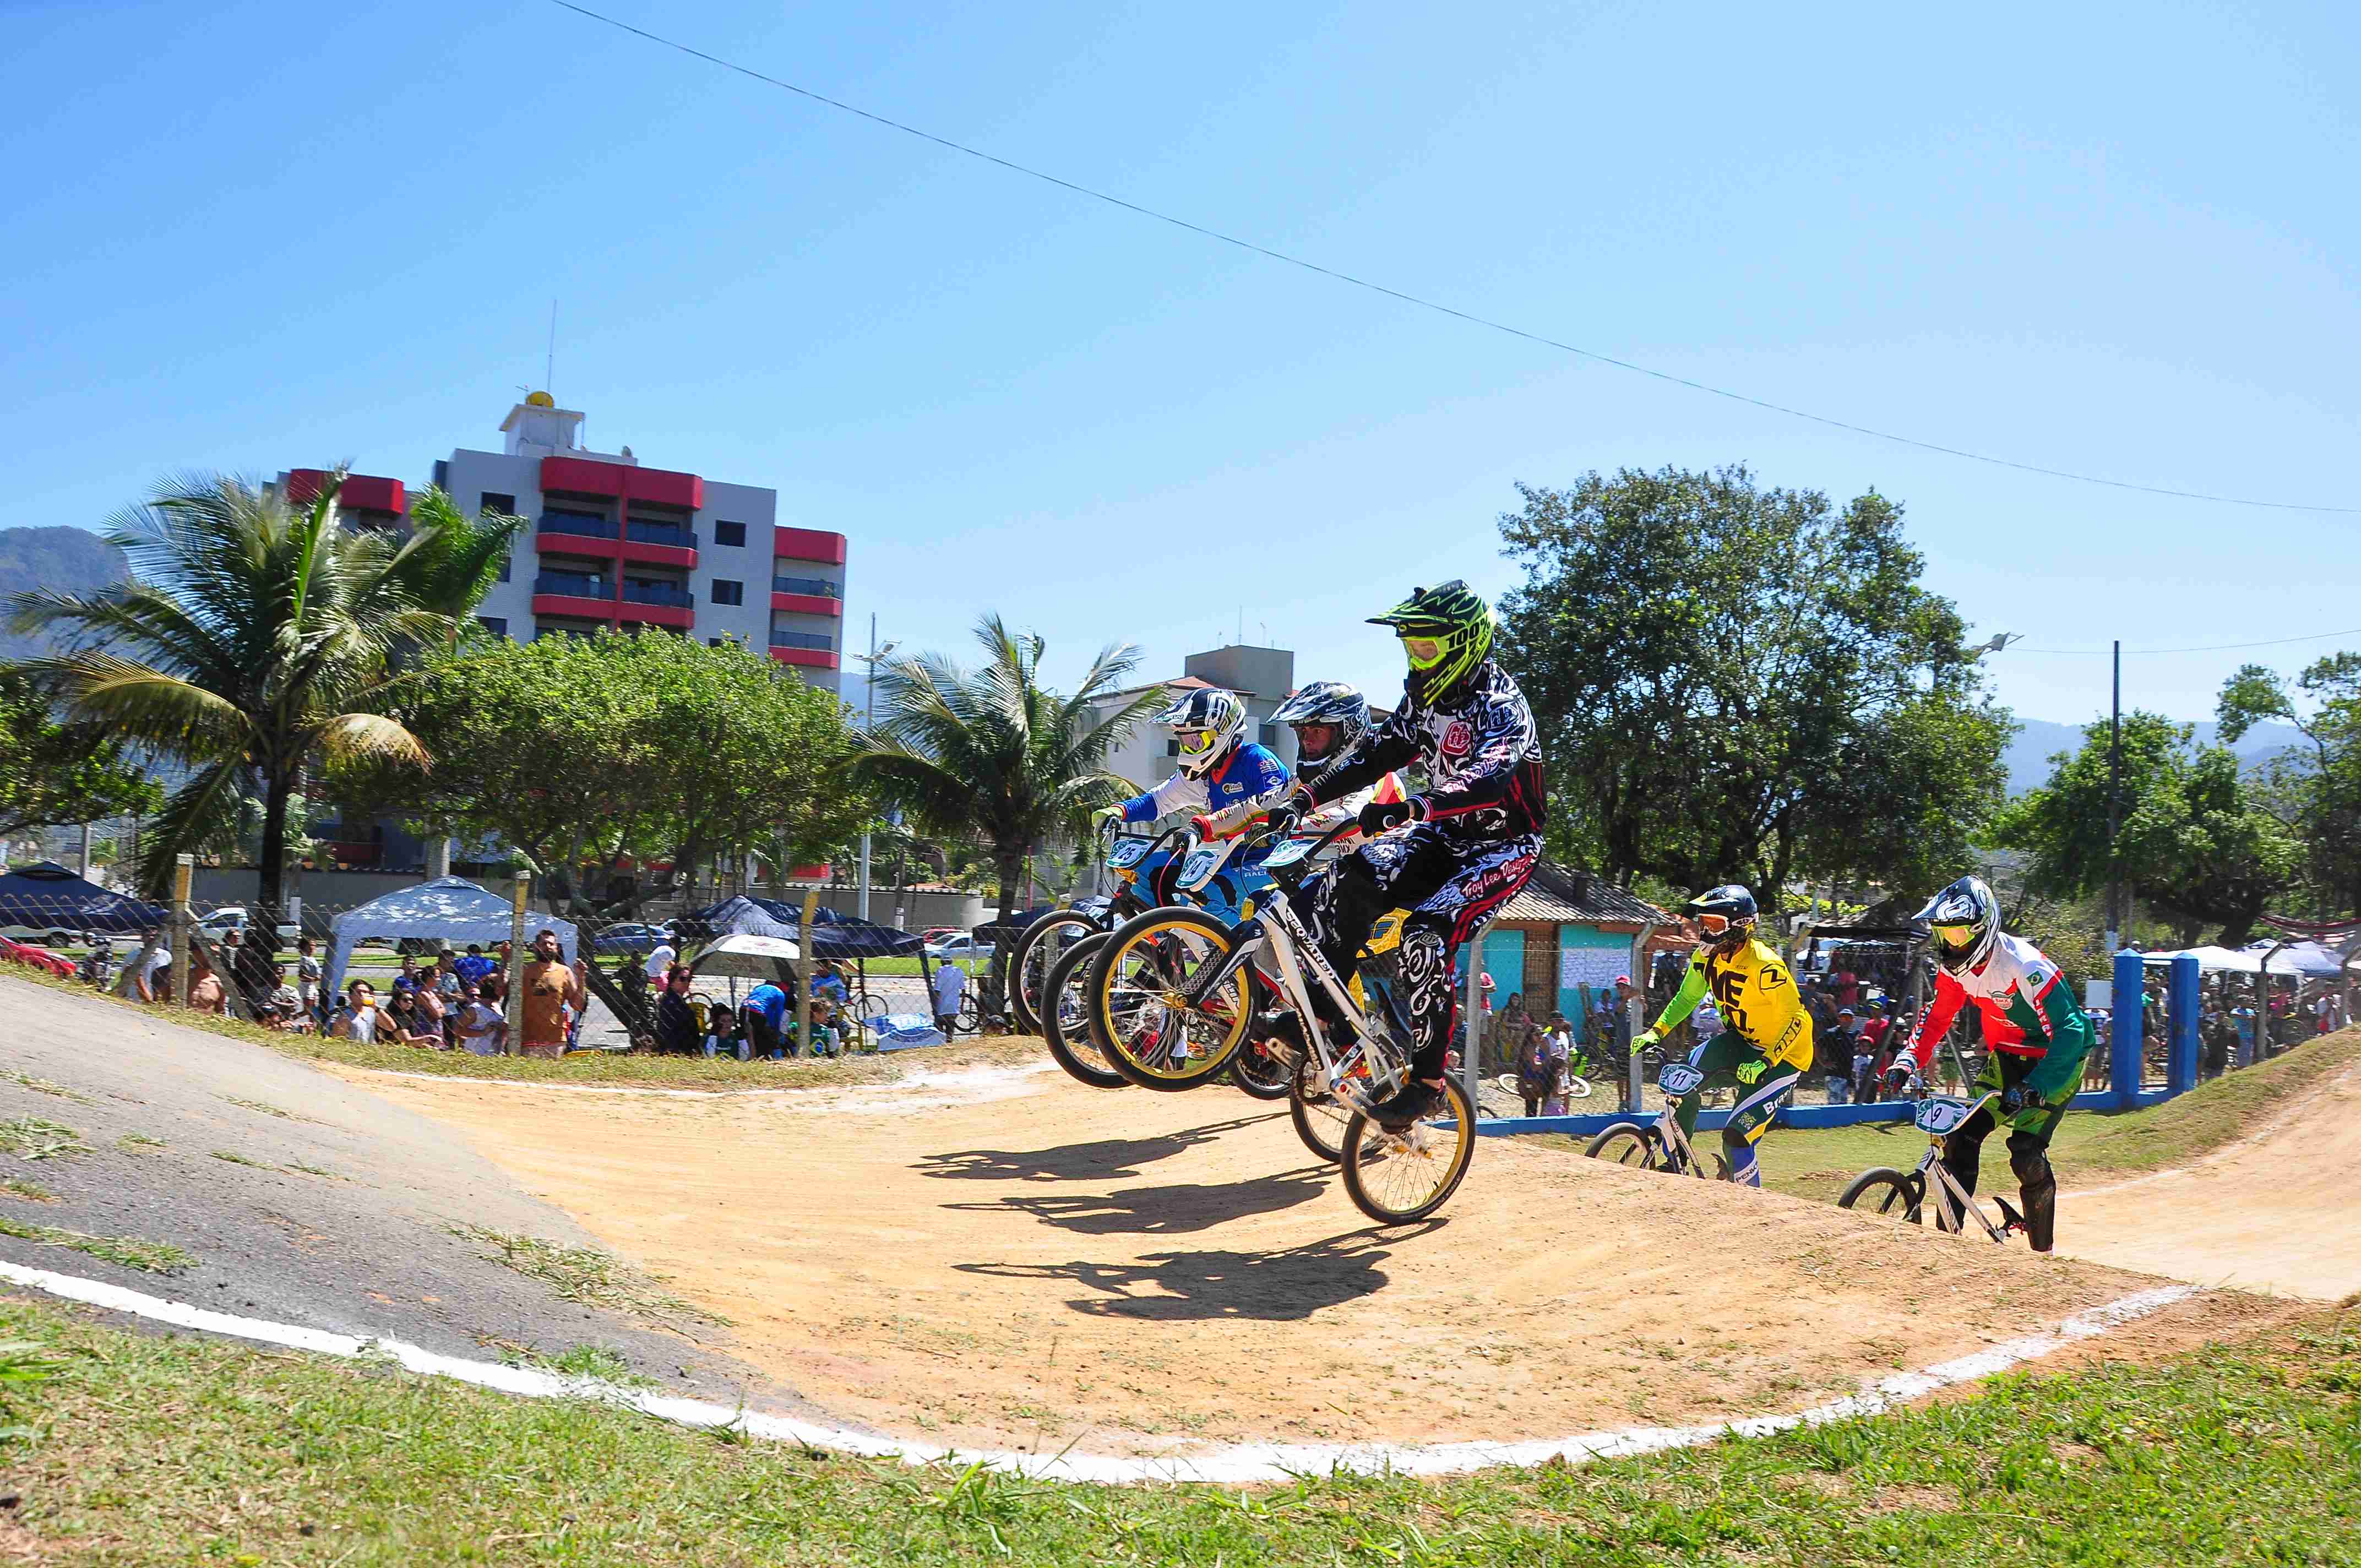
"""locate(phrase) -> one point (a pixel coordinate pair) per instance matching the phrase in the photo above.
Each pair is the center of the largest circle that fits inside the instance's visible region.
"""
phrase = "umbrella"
(748, 957)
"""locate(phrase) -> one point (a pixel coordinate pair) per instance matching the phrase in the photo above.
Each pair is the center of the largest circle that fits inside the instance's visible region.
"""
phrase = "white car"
(44, 936)
(961, 949)
(234, 918)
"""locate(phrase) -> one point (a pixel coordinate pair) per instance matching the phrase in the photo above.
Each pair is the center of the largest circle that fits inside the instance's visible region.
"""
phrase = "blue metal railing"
(671, 533)
(802, 640)
(572, 583)
(658, 593)
(576, 522)
(818, 588)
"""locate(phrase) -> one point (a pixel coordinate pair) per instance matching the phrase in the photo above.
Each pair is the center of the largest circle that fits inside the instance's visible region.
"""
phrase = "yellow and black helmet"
(1446, 632)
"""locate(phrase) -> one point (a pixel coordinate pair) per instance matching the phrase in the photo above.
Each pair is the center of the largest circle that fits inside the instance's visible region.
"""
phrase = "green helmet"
(1446, 632)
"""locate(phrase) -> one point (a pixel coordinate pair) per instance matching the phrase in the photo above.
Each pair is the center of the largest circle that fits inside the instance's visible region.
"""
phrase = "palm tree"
(989, 751)
(255, 633)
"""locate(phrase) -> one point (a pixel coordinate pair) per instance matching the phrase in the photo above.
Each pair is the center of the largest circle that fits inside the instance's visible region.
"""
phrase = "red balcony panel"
(370, 493)
(580, 609)
(808, 545)
(680, 615)
(656, 554)
(582, 476)
(304, 484)
(807, 604)
(817, 658)
(664, 487)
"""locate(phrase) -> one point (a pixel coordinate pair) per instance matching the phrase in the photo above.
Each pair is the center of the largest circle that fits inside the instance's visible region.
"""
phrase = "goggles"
(1193, 740)
(1423, 652)
(1713, 924)
(1955, 936)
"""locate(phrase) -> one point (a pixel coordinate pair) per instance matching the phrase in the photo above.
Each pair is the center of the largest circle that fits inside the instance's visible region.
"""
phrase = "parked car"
(635, 939)
(39, 957)
(50, 935)
(961, 949)
(934, 934)
(233, 917)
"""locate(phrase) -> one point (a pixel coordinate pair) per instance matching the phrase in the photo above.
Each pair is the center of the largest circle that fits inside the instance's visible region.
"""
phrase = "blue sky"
(266, 235)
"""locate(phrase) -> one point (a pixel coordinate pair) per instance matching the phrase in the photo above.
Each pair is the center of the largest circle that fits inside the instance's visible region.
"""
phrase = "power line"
(1426, 304)
(2208, 648)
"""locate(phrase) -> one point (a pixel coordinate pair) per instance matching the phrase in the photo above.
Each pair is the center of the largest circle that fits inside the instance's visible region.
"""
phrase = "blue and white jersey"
(1250, 775)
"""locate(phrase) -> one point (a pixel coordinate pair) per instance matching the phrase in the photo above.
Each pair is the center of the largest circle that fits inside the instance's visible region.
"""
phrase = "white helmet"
(1333, 703)
(1208, 723)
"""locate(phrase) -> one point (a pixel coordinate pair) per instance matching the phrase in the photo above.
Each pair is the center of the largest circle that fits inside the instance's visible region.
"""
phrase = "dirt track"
(1009, 1259)
(2272, 1212)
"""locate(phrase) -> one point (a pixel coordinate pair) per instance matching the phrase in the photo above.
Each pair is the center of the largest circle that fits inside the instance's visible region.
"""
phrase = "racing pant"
(1758, 1102)
(1448, 886)
(2029, 1144)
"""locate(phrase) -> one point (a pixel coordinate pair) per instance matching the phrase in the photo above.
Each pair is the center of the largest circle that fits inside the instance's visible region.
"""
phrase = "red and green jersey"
(2027, 1010)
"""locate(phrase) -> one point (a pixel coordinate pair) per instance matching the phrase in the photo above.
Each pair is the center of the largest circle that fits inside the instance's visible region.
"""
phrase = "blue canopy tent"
(47, 897)
(834, 936)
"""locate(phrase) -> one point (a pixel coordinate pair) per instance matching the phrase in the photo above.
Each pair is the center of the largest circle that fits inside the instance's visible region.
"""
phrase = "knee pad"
(2031, 1164)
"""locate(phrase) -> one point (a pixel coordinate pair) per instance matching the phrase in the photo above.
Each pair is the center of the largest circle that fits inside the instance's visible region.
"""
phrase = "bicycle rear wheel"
(1894, 1193)
(1064, 1026)
(1261, 1073)
(1398, 1178)
(1036, 950)
(1139, 1017)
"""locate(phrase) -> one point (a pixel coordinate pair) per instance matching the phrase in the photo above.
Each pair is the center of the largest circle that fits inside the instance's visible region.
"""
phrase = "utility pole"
(868, 723)
(2115, 807)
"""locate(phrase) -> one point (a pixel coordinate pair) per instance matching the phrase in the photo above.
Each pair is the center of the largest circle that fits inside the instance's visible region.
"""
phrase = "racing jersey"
(2027, 1010)
(1757, 999)
(1250, 775)
(1483, 757)
(1346, 808)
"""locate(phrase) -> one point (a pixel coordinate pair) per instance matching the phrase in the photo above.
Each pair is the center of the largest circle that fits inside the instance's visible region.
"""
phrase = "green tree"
(256, 635)
(578, 750)
(2191, 842)
(1739, 683)
(2318, 787)
(52, 771)
(990, 752)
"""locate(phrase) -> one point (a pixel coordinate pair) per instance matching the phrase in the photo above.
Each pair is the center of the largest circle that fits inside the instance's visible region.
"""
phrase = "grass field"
(123, 1449)
(1821, 1162)
(591, 1067)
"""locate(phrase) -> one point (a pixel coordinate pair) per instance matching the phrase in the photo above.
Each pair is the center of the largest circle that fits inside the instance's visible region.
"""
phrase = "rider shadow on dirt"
(1175, 1209)
(1195, 1287)
(1077, 1162)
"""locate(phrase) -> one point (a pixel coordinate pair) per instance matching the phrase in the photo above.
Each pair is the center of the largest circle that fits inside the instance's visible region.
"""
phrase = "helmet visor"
(1424, 652)
(1713, 925)
(1955, 936)
(1193, 742)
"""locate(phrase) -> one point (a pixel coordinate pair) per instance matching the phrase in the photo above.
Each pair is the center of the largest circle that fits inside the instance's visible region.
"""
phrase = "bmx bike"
(1661, 1145)
(1172, 996)
(1903, 1194)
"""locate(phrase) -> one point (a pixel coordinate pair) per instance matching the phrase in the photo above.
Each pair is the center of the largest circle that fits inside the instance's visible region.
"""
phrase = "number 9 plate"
(1941, 1114)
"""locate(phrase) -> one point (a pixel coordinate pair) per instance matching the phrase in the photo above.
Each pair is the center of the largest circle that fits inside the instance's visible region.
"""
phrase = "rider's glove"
(1282, 819)
(1201, 826)
(1645, 1040)
(1749, 1072)
(1104, 814)
(1381, 815)
(2015, 1098)
(1895, 1078)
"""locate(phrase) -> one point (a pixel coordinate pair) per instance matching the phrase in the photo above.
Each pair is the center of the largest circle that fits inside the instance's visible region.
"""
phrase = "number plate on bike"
(1678, 1079)
(1127, 853)
(1287, 853)
(1941, 1115)
(1198, 868)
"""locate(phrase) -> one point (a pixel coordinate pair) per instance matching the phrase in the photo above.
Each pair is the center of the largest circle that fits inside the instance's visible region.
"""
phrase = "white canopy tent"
(2299, 961)
(452, 909)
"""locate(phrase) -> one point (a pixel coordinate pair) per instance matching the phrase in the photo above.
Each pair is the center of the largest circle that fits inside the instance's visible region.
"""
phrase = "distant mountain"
(2027, 756)
(71, 560)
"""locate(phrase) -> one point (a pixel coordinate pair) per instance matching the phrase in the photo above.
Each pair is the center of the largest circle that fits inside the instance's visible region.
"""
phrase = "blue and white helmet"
(1208, 723)
(1333, 703)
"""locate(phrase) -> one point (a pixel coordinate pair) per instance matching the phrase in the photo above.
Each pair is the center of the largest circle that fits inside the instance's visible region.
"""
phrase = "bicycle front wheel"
(1319, 1116)
(1887, 1191)
(1140, 1015)
(1064, 1024)
(1628, 1142)
(1398, 1178)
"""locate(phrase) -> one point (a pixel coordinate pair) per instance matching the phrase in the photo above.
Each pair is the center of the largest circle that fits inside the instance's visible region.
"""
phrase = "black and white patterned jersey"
(1482, 752)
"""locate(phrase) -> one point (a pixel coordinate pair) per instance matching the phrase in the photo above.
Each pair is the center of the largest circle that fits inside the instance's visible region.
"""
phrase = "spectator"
(157, 982)
(1835, 1052)
(431, 1016)
(286, 1003)
(543, 989)
(950, 985)
(447, 983)
(1536, 1072)
(409, 1027)
(830, 984)
(1561, 1049)
(206, 993)
(1847, 986)
(722, 1035)
(677, 1030)
(660, 962)
(473, 967)
(307, 975)
(361, 1020)
(481, 1027)
(2244, 1015)
(765, 1017)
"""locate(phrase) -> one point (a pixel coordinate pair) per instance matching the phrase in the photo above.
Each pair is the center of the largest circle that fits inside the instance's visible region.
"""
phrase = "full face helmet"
(1208, 724)
(1446, 633)
(1725, 915)
(1328, 718)
(1964, 921)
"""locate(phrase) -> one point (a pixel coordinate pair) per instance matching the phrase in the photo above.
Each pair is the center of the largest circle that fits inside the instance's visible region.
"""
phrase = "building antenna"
(549, 366)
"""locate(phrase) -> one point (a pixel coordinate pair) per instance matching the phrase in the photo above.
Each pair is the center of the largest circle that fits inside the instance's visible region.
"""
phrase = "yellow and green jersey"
(1757, 999)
